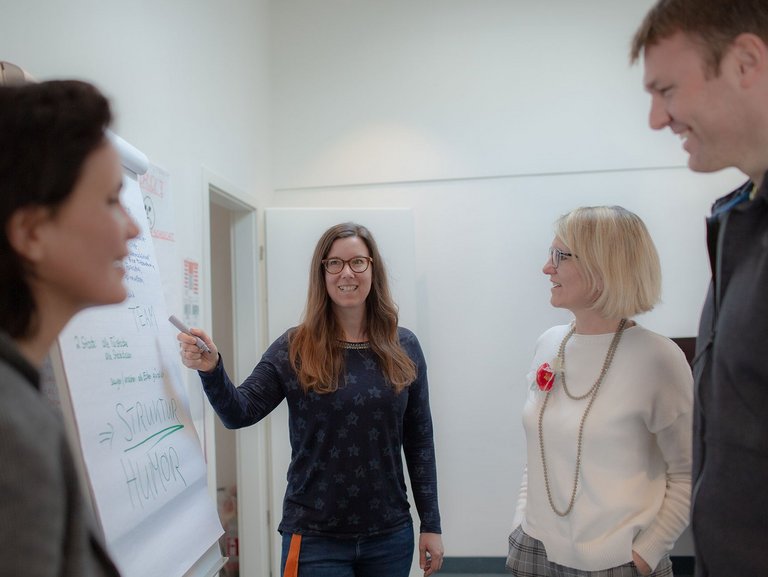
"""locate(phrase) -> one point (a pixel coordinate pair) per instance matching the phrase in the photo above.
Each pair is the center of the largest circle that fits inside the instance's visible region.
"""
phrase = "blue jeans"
(388, 555)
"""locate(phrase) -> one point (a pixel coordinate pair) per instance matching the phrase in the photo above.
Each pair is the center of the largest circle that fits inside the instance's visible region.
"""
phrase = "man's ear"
(751, 57)
(24, 230)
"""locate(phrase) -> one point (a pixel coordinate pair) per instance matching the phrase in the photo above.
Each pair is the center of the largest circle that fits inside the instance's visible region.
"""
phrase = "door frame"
(253, 459)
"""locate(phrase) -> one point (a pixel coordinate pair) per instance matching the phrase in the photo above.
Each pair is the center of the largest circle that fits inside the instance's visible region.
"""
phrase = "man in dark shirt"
(706, 68)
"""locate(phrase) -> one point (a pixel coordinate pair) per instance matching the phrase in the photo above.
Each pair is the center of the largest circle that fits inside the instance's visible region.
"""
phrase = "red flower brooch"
(545, 377)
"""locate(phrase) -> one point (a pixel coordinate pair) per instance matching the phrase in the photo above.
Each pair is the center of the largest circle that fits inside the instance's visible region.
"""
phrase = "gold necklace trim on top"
(592, 393)
(354, 346)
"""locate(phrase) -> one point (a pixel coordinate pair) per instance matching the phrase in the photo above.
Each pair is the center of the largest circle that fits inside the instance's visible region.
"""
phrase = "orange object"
(292, 562)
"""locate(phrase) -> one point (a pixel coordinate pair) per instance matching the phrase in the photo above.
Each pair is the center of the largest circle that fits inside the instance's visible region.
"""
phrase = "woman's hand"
(432, 544)
(193, 357)
(641, 565)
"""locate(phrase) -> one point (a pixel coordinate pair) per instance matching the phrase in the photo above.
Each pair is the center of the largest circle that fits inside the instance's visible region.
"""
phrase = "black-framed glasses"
(557, 255)
(356, 264)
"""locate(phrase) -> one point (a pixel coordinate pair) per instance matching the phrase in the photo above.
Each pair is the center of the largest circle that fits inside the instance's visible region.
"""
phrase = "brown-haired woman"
(64, 236)
(356, 387)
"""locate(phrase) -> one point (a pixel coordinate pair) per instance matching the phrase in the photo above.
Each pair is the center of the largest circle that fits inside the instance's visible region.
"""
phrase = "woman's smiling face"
(569, 288)
(83, 243)
(349, 289)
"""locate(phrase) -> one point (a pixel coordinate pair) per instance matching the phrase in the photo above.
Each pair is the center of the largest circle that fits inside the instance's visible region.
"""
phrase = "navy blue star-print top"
(346, 473)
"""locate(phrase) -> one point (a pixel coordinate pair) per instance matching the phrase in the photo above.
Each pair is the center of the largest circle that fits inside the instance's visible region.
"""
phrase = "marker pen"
(185, 329)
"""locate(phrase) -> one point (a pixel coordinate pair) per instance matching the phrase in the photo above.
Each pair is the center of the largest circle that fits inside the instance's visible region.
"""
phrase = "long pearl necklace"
(592, 393)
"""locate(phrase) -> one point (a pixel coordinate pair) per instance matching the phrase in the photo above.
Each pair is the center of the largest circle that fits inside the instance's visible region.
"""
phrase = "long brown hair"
(314, 350)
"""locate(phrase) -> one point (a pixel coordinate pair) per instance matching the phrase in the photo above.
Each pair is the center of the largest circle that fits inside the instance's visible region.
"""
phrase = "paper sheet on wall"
(143, 459)
(157, 194)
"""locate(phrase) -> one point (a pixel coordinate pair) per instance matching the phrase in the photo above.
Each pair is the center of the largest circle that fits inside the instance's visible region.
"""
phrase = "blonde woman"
(356, 387)
(608, 419)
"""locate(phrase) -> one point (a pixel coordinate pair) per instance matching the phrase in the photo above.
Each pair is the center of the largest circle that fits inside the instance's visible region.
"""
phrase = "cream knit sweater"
(635, 481)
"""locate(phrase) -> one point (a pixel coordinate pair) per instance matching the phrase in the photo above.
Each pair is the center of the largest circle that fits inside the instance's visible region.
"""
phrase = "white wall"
(434, 89)
(488, 118)
(187, 78)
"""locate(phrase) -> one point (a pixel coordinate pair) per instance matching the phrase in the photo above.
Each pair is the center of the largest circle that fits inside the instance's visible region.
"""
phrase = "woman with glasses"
(607, 484)
(356, 387)
(65, 235)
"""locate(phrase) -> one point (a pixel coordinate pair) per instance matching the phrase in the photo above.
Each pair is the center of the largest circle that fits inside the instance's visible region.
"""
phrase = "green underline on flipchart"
(163, 434)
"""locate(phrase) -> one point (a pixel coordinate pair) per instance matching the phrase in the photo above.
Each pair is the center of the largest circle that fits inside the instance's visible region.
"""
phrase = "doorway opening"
(239, 459)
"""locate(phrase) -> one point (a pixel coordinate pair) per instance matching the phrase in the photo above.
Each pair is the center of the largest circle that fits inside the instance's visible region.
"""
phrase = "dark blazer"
(730, 442)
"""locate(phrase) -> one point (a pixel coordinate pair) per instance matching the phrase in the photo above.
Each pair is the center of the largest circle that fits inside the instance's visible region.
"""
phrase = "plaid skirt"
(528, 558)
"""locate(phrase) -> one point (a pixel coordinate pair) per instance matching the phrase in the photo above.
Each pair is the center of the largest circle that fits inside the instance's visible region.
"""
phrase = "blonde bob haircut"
(617, 257)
